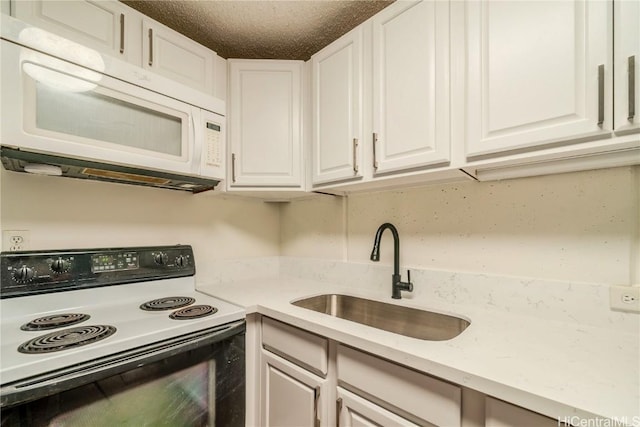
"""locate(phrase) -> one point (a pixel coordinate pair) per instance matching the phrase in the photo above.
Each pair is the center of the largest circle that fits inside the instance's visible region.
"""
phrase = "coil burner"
(54, 321)
(193, 312)
(168, 303)
(67, 338)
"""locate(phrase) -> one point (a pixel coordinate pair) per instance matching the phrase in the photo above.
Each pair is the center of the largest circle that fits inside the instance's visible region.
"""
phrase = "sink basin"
(407, 321)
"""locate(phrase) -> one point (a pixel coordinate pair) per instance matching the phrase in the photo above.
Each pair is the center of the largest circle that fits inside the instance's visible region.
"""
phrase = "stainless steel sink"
(411, 322)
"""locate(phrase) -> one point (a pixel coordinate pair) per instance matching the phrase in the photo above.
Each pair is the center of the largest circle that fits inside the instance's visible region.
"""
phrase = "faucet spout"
(375, 253)
(397, 284)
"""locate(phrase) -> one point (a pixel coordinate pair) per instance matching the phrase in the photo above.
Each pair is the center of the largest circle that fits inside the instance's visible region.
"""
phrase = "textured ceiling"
(261, 29)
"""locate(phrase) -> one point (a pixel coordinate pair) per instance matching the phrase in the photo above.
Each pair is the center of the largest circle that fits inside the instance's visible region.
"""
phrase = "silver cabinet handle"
(150, 47)
(338, 410)
(233, 167)
(122, 33)
(600, 94)
(355, 157)
(631, 72)
(375, 158)
(316, 397)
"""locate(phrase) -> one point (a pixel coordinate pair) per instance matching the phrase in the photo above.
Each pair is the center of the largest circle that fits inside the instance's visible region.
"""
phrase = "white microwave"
(70, 109)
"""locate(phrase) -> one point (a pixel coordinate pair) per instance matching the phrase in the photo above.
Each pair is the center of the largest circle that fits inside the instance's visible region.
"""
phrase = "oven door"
(195, 380)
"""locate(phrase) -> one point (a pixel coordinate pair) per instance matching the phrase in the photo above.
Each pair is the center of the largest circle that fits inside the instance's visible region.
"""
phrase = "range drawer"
(298, 346)
(399, 388)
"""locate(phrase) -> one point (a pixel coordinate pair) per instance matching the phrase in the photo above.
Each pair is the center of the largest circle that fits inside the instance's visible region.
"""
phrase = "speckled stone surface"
(552, 347)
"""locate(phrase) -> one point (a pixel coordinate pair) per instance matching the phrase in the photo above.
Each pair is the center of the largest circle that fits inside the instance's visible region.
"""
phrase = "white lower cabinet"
(355, 411)
(293, 377)
(291, 395)
(503, 414)
(307, 380)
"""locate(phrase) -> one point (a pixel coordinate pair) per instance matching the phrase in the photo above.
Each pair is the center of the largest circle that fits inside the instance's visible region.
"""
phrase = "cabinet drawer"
(303, 348)
(503, 414)
(425, 397)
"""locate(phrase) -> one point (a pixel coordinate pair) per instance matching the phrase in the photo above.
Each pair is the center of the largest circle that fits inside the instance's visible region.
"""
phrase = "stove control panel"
(114, 261)
(33, 272)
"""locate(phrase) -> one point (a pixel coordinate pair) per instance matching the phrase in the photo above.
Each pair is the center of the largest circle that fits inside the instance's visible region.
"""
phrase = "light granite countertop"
(558, 368)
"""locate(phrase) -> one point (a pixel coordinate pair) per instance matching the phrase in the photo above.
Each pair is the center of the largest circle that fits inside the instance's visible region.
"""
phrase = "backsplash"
(576, 227)
(572, 302)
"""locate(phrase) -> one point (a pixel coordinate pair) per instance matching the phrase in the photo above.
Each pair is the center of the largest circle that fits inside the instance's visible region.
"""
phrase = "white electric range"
(70, 318)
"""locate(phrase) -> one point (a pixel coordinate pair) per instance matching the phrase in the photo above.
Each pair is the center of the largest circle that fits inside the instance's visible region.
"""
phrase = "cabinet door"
(109, 27)
(177, 57)
(290, 395)
(503, 414)
(537, 73)
(627, 70)
(354, 411)
(337, 109)
(265, 130)
(411, 85)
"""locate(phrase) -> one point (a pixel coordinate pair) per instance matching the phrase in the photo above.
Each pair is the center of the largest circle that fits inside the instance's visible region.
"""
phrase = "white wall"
(579, 226)
(70, 213)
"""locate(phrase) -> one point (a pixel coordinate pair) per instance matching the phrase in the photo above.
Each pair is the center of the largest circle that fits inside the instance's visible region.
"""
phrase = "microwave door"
(69, 110)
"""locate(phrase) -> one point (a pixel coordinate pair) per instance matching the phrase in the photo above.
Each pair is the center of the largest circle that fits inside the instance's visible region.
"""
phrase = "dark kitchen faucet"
(397, 284)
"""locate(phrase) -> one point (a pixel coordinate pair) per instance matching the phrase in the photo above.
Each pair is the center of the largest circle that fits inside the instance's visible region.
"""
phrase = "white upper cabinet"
(537, 73)
(627, 72)
(411, 85)
(381, 96)
(177, 57)
(337, 90)
(265, 123)
(115, 29)
(107, 26)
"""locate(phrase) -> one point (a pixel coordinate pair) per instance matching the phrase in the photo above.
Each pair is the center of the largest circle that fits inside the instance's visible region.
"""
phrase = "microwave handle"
(196, 137)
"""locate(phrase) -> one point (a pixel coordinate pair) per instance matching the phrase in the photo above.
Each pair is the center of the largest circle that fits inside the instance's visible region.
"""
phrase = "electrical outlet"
(15, 240)
(625, 298)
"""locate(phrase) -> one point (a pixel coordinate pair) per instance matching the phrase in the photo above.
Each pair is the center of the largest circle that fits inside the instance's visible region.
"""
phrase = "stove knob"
(161, 258)
(24, 274)
(60, 265)
(182, 261)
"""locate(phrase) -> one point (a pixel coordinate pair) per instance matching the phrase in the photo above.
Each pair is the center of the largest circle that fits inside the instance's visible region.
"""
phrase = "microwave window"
(103, 118)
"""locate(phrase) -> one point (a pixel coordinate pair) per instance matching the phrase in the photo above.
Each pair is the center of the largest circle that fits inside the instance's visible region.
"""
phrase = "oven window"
(178, 399)
(203, 387)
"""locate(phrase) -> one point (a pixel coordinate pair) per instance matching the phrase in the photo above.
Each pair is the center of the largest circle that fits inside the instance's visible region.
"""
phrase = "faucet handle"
(409, 284)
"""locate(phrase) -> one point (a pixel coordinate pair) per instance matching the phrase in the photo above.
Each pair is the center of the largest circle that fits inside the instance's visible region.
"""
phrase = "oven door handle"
(54, 382)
